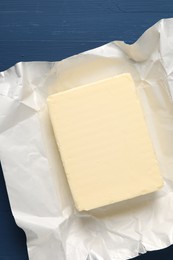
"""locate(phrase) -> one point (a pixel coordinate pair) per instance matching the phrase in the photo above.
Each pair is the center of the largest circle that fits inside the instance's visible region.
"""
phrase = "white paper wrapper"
(39, 195)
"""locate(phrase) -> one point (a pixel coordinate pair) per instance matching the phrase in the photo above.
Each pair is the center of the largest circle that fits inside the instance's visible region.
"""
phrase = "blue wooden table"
(53, 30)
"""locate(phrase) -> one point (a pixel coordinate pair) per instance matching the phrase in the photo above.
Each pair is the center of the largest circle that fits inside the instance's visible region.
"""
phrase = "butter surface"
(104, 142)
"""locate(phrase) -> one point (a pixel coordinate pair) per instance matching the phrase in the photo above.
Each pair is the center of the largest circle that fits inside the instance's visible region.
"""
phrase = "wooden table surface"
(53, 30)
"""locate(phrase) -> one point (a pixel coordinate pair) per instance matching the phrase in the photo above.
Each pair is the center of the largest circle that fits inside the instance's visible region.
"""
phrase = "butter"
(104, 142)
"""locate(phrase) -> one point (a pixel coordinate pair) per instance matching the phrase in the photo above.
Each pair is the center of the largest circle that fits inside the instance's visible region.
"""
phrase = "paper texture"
(39, 195)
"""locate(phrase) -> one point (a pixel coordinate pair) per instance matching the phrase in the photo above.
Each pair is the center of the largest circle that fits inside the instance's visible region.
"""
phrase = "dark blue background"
(53, 30)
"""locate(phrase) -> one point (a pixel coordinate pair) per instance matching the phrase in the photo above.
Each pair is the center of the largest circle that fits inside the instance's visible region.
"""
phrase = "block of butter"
(104, 142)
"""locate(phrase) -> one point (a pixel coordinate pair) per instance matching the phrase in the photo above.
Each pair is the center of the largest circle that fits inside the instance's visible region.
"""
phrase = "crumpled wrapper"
(39, 195)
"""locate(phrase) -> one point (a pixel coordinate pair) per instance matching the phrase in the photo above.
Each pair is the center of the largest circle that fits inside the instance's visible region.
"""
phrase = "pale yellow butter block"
(104, 142)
